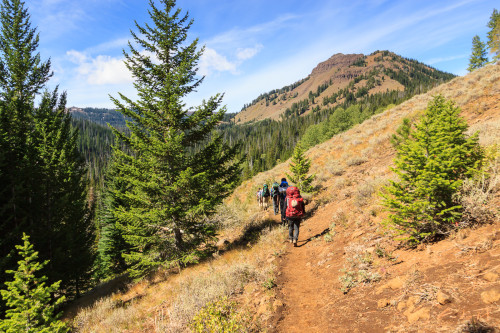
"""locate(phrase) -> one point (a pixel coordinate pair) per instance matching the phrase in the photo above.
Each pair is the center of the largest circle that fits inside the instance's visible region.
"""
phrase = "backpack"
(275, 191)
(282, 191)
(295, 203)
(265, 191)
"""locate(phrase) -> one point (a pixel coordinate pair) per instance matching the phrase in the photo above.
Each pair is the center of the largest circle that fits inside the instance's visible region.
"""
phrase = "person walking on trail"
(295, 210)
(275, 194)
(282, 194)
(266, 195)
(259, 197)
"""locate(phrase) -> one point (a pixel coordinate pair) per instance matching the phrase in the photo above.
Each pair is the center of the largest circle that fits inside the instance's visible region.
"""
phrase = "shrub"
(432, 161)
(220, 316)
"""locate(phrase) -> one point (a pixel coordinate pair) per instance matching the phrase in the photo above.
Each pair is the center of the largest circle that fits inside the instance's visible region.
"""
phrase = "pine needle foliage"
(43, 192)
(31, 305)
(494, 34)
(177, 169)
(432, 160)
(299, 167)
(478, 57)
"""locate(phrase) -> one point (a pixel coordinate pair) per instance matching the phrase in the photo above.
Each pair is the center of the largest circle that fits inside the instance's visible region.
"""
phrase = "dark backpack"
(295, 203)
(275, 192)
(265, 191)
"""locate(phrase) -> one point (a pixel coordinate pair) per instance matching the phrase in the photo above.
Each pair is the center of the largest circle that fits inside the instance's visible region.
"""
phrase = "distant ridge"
(331, 81)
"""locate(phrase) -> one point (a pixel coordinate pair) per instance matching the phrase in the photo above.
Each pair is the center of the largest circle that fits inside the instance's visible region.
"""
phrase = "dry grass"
(169, 302)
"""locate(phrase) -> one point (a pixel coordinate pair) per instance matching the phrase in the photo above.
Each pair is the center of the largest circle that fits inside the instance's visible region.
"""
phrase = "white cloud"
(100, 70)
(249, 52)
(212, 61)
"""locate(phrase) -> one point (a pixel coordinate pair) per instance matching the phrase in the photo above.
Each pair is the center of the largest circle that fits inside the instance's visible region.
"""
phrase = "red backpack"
(295, 203)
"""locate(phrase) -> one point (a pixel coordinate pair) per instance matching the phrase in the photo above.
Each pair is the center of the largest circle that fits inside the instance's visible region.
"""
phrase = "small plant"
(328, 238)
(476, 326)
(220, 316)
(359, 271)
(347, 280)
(382, 253)
(269, 283)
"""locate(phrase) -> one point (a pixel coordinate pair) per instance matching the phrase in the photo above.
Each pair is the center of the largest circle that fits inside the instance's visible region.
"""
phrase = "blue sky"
(252, 46)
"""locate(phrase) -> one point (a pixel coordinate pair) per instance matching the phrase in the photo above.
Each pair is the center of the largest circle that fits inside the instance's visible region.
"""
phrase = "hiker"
(259, 197)
(275, 194)
(282, 191)
(295, 210)
(265, 196)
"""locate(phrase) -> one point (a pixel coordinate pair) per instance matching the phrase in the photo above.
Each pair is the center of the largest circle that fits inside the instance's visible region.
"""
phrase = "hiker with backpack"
(282, 196)
(295, 210)
(259, 197)
(275, 194)
(266, 195)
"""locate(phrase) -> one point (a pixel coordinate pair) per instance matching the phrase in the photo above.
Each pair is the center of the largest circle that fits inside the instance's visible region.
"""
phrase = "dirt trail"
(301, 286)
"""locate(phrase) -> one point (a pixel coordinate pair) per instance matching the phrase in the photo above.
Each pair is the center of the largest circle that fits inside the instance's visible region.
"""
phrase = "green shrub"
(220, 316)
(432, 161)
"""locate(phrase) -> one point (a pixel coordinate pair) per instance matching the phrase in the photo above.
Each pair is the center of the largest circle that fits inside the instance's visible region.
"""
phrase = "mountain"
(344, 77)
(100, 116)
(339, 93)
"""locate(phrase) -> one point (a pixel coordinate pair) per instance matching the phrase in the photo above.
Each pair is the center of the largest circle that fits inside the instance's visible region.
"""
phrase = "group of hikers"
(287, 200)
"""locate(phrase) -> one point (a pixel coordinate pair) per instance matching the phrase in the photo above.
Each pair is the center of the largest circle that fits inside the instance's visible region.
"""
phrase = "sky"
(251, 46)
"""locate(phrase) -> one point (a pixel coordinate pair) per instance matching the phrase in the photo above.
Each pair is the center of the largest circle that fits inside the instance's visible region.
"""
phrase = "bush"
(220, 316)
(432, 161)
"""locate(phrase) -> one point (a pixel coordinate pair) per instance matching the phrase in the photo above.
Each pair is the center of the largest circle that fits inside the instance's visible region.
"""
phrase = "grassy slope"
(350, 167)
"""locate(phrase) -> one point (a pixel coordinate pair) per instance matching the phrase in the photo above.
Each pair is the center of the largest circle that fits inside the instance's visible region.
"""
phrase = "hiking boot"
(294, 243)
(290, 240)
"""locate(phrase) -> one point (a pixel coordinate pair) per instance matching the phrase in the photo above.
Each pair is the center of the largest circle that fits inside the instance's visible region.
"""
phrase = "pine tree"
(176, 167)
(22, 76)
(61, 230)
(494, 34)
(111, 244)
(432, 161)
(30, 301)
(478, 57)
(299, 168)
(42, 173)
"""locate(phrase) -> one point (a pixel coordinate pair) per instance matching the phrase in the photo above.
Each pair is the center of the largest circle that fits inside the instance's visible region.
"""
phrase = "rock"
(277, 303)
(491, 277)
(423, 313)
(357, 234)
(371, 250)
(395, 283)
(401, 306)
(382, 303)
(491, 296)
(270, 260)
(222, 244)
(443, 298)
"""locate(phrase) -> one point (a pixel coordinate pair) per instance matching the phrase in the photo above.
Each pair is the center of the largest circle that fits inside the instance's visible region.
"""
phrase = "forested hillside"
(350, 89)
(340, 92)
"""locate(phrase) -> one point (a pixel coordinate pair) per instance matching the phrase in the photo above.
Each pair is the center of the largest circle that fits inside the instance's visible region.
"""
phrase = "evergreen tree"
(494, 34)
(478, 57)
(30, 301)
(42, 174)
(62, 229)
(299, 168)
(175, 176)
(22, 75)
(111, 244)
(432, 161)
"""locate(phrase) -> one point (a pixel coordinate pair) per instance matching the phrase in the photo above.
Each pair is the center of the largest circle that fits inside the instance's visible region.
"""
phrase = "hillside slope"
(278, 288)
(330, 81)
(343, 241)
